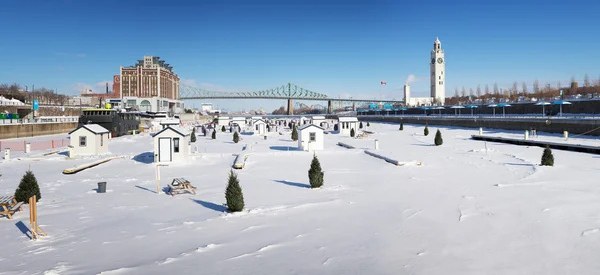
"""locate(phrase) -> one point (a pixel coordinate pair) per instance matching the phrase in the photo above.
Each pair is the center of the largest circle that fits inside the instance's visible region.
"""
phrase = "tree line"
(518, 90)
(43, 95)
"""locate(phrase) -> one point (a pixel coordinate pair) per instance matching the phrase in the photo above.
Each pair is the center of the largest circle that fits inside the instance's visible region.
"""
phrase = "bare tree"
(471, 94)
(524, 88)
(478, 91)
(487, 89)
(496, 90)
(463, 93)
(536, 87)
(456, 92)
(586, 80)
(515, 88)
(558, 85)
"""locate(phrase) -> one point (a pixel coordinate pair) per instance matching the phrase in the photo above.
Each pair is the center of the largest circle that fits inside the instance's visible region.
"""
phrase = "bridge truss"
(287, 91)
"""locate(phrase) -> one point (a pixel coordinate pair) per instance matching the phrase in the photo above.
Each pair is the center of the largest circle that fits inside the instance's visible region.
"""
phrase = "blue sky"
(334, 47)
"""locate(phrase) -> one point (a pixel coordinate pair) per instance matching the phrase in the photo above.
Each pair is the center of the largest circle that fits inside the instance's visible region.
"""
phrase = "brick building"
(149, 85)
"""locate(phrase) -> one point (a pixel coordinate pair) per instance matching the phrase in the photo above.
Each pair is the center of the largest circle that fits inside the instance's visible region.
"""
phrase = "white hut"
(318, 120)
(303, 120)
(89, 139)
(310, 138)
(223, 121)
(346, 124)
(259, 126)
(171, 144)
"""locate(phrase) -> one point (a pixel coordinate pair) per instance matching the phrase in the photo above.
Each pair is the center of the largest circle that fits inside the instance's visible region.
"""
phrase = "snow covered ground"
(467, 210)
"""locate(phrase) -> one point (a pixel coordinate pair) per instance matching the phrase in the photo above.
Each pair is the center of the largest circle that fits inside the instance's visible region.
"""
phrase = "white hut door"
(164, 150)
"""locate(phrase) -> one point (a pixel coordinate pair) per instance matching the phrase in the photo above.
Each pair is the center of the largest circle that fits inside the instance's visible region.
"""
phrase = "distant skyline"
(339, 48)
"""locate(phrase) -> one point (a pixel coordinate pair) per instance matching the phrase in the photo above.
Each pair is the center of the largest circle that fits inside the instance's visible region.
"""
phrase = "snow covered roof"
(169, 122)
(238, 118)
(94, 128)
(318, 117)
(305, 126)
(259, 121)
(348, 119)
(176, 129)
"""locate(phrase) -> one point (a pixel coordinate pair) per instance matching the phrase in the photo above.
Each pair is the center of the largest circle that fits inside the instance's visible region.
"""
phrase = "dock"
(551, 144)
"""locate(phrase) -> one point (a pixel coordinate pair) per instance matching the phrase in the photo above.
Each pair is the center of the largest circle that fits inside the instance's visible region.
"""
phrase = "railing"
(44, 119)
(490, 116)
(34, 145)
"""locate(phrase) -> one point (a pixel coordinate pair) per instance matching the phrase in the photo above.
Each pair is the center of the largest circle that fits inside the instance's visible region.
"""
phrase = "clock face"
(117, 79)
(440, 60)
(433, 61)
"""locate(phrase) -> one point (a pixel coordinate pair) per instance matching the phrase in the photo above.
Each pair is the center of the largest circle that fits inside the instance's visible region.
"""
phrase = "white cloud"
(98, 88)
(412, 78)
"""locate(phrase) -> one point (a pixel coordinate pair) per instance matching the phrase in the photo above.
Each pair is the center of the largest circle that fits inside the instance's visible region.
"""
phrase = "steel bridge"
(288, 92)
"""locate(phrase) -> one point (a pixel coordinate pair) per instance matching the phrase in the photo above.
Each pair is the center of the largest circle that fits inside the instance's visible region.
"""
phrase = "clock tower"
(437, 73)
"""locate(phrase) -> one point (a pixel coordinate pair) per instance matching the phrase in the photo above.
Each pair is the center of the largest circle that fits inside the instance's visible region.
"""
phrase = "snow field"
(467, 210)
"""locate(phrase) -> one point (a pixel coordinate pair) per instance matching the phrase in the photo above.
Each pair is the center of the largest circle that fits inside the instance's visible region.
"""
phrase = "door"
(164, 149)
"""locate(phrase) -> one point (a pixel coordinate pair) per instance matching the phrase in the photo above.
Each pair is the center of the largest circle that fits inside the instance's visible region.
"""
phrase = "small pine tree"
(236, 137)
(233, 193)
(352, 133)
(231, 129)
(335, 127)
(401, 126)
(27, 188)
(294, 134)
(315, 175)
(547, 157)
(368, 124)
(360, 126)
(193, 136)
(426, 131)
(438, 138)
(223, 128)
(214, 134)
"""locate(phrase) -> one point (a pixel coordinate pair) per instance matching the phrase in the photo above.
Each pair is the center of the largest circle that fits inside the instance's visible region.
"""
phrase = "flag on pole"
(383, 82)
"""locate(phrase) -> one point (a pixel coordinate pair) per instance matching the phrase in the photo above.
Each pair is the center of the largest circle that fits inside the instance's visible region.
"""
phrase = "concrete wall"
(31, 130)
(573, 126)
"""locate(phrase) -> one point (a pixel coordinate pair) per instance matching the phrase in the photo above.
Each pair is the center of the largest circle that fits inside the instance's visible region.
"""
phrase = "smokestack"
(106, 87)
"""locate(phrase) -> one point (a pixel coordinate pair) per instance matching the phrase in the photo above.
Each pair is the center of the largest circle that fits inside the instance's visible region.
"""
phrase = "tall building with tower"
(149, 85)
(437, 70)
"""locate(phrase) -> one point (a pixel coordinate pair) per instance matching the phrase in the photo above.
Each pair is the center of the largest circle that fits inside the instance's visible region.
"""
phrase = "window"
(82, 141)
(101, 139)
(313, 136)
(176, 145)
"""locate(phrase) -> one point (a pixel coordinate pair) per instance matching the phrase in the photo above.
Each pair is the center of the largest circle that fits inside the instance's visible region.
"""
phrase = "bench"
(180, 185)
(9, 205)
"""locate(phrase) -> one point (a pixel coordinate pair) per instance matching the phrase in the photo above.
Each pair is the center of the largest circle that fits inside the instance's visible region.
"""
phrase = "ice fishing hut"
(310, 137)
(88, 139)
(171, 144)
(259, 126)
(346, 124)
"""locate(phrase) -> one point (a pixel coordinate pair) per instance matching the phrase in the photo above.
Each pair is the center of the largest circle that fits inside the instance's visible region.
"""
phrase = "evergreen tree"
(426, 131)
(193, 136)
(401, 126)
(438, 138)
(223, 128)
(315, 175)
(27, 188)
(368, 124)
(547, 157)
(236, 137)
(360, 126)
(231, 129)
(335, 127)
(214, 134)
(352, 133)
(294, 134)
(233, 193)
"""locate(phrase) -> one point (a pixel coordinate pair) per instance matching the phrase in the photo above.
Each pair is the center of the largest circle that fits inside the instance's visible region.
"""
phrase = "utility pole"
(32, 100)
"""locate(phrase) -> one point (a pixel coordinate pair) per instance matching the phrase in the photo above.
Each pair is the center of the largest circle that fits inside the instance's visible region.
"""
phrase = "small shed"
(260, 126)
(346, 124)
(223, 121)
(318, 120)
(312, 134)
(88, 140)
(171, 144)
